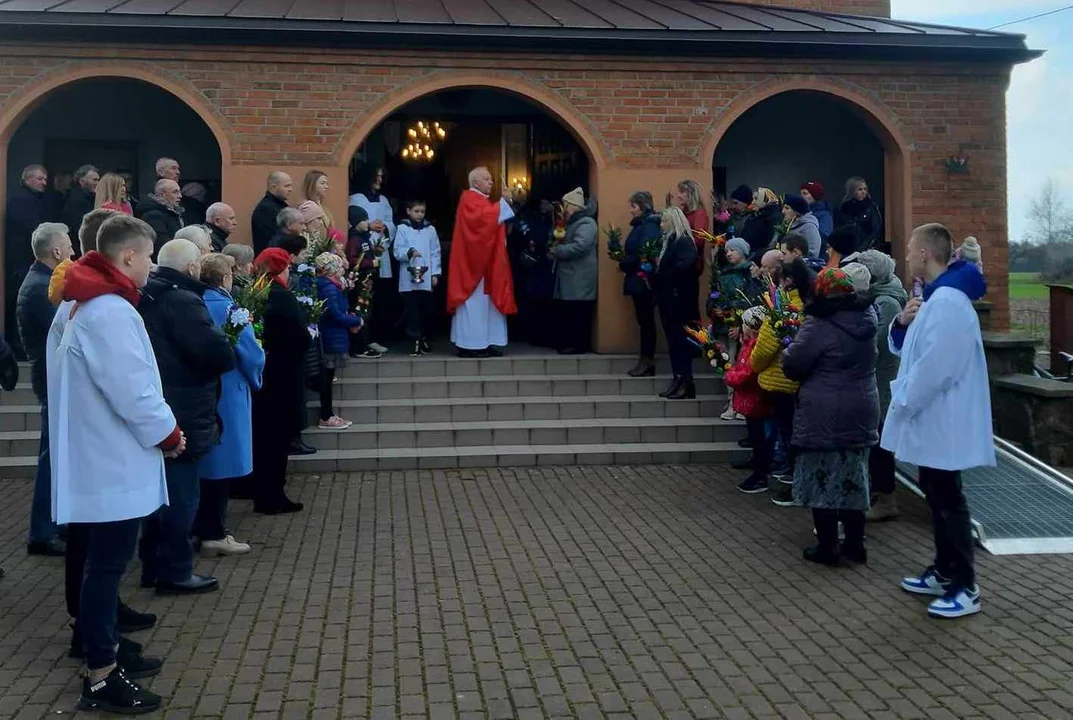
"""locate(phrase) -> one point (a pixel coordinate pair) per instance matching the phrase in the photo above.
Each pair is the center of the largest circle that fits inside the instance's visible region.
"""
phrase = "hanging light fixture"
(422, 139)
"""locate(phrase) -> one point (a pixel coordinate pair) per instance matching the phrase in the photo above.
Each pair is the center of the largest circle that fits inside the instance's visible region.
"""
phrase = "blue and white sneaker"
(930, 582)
(956, 603)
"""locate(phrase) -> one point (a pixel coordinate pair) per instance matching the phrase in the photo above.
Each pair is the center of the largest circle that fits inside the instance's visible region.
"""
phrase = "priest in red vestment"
(480, 289)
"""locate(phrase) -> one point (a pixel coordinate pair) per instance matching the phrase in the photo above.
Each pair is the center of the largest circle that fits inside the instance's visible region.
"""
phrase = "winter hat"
(796, 203)
(814, 189)
(859, 275)
(310, 211)
(833, 282)
(754, 316)
(879, 265)
(843, 241)
(743, 194)
(356, 215)
(272, 261)
(328, 263)
(575, 197)
(969, 250)
(739, 245)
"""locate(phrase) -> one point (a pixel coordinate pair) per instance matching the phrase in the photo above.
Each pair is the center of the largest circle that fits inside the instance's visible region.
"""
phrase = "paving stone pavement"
(617, 592)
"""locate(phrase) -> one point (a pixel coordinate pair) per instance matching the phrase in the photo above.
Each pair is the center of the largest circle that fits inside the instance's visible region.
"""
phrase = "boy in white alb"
(417, 248)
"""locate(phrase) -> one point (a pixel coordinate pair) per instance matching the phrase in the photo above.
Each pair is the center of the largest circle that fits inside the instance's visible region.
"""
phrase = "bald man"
(263, 220)
(221, 221)
(163, 210)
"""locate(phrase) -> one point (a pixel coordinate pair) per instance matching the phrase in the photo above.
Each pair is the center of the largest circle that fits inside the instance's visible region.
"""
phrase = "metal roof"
(695, 27)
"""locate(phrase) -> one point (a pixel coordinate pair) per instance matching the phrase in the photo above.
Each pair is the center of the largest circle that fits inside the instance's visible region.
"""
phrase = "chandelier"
(422, 141)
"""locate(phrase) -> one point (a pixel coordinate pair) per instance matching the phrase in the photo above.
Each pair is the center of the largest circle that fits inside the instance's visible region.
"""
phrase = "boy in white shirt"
(417, 248)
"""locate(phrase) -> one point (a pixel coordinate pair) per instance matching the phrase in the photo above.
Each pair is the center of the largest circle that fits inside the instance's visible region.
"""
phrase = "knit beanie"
(743, 194)
(859, 276)
(272, 261)
(843, 241)
(575, 197)
(356, 215)
(970, 250)
(310, 211)
(880, 265)
(328, 263)
(796, 203)
(814, 189)
(739, 245)
(754, 316)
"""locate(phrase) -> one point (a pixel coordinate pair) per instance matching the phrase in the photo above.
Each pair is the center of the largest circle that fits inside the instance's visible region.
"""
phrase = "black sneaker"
(126, 645)
(117, 693)
(370, 354)
(783, 494)
(425, 347)
(754, 484)
(416, 351)
(130, 620)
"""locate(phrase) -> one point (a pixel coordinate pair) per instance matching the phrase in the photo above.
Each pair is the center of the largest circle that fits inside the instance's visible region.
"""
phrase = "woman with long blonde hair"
(677, 291)
(112, 194)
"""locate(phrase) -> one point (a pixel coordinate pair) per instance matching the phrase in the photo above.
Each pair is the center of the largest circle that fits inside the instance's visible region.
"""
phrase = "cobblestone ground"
(649, 592)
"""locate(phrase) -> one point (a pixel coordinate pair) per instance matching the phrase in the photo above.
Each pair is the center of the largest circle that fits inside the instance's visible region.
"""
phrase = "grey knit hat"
(739, 245)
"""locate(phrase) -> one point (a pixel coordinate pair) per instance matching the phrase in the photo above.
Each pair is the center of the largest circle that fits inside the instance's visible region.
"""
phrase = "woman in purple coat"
(837, 416)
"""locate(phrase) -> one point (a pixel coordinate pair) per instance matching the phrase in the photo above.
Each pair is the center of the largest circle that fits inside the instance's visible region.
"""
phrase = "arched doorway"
(523, 144)
(118, 124)
(786, 135)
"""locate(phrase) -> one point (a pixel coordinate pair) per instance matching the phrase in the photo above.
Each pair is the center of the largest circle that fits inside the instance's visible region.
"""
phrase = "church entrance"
(427, 149)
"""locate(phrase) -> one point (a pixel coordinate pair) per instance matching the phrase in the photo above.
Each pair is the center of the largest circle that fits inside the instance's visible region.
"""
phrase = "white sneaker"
(378, 347)
(930, 582)
(729, 414)
(228, 546)
(957, 603)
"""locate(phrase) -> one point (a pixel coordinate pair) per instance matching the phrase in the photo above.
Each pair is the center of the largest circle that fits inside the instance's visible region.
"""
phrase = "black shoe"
(135, 665)
(117, 693)
(745, 443)
(686, 391)
(743, 465)
(672, 388)
(193, 585)
(48, 548)
(822, 555)
(468, 354)
(285, 507)
(301, 448)
(855, 553)
(493, 351)
(645, 368)
(416, 351)
(129, 620)
(754, 484)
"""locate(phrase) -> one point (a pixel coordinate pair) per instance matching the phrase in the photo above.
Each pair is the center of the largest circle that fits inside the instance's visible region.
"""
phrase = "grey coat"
(809, 227)
(575, 257)
(888, 299)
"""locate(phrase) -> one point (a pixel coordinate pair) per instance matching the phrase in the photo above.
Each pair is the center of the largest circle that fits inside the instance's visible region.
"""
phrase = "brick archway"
(880, 120)
(547, 100)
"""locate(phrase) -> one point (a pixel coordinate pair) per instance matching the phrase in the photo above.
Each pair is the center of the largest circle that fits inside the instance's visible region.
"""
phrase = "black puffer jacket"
(192, 354)
(643, 228)
(864, 218)
(834, 359)
(758, 229)
(164, 221)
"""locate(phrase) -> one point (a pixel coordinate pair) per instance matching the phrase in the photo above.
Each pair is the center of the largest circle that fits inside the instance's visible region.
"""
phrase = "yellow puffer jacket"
(766, 359)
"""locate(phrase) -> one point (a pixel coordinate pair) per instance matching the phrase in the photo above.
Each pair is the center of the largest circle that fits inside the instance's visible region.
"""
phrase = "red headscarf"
(272, 262)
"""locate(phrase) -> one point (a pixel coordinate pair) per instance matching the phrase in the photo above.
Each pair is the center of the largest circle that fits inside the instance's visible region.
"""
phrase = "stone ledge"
(1008, 340)
(1035, 386)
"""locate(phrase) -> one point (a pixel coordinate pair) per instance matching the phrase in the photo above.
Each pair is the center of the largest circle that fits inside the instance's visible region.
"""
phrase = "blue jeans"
(166, 552)
(42, 529)
(109, 547)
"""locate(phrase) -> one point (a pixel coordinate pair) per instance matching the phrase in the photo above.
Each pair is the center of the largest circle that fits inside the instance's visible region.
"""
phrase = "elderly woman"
(837, 416)
(860, 213)
(575, 274)
(199, 235)
(279, 405)
(645, 227)
(233, 456)
(243, 257)
(336, 325)
(677, 288)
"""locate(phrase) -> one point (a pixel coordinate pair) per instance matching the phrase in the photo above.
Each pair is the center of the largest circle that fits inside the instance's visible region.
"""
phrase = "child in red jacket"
(749, 400)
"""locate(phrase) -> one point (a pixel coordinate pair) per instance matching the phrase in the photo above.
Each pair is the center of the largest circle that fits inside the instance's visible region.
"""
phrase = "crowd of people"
(130, 317)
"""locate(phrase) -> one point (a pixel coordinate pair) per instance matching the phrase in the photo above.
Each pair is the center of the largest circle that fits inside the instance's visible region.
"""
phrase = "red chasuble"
(479, 250)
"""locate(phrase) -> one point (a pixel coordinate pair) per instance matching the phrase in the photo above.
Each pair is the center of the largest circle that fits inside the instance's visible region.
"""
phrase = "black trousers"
(826, 521)
(644, 307)
(539, 321)
(782, 405)
(270, 447)
(763, 446)
(953, 526)
(211, 520)
(575, 324)
(384, 314)
(418, 306)
(327, 382)
(881, 467)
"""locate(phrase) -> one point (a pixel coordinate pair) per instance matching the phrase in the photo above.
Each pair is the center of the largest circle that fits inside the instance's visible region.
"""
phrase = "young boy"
(749, 400)
(417, 248)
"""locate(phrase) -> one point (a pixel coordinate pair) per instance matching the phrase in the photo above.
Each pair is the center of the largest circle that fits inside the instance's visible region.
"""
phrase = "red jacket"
(748, 397)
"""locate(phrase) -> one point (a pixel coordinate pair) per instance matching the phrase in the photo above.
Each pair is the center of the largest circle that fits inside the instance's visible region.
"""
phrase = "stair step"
(593, 431)
(399, 365)
(515, 456)
(17, 418)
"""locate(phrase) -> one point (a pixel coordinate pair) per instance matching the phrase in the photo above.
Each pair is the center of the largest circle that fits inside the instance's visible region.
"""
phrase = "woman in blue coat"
(233, 456)
(644, 227)
(336, 324)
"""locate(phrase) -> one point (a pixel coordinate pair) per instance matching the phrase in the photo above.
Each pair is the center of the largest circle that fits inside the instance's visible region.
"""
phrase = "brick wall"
(297, 108)
(879, 8)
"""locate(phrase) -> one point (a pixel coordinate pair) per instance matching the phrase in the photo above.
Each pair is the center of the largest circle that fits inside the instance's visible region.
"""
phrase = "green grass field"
(1028, 286)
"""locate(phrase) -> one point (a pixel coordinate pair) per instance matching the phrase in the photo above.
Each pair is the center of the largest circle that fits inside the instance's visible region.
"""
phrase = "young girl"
(335, 325)
(749, 400)
(733, 290)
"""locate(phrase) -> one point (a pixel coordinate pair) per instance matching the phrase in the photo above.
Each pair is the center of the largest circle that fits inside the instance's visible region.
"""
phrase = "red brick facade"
(303, 108)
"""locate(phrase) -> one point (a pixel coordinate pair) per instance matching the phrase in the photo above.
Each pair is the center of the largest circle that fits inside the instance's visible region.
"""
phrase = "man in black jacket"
(51, 245)
(163, 210)
(263, 220)
(80, 201)
(221, 222)
(25, 211)
(192, 354)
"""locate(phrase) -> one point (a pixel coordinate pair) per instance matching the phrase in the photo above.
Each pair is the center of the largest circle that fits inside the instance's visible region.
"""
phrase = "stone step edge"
(544, 399)
(493, 450)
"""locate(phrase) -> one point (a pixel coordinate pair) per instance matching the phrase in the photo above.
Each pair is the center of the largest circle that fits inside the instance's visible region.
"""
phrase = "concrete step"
(476, 456)
(439, 365)
(18, 443)
(23, 394)
(594, 431)
(544, 407)
(16, 418)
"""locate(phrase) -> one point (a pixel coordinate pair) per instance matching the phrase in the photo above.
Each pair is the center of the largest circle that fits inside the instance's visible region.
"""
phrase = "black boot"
(853, 547)
(686, 391)
(825, 551)
(646, 367)
(672, 388)
(117, 693)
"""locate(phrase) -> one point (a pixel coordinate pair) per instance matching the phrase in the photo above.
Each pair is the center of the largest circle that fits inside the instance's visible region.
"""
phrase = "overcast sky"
(1040, 100)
